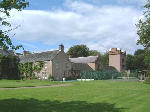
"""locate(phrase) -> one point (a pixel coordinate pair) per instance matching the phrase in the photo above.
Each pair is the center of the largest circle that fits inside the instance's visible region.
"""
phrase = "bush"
(147, 81)
(100, 75)
(50, 77)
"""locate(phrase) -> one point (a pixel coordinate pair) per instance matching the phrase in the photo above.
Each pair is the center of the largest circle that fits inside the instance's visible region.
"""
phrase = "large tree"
(94, 53)
(144, 27)
(136, 61)
(144, 33)
(78, 51)
(5, 7)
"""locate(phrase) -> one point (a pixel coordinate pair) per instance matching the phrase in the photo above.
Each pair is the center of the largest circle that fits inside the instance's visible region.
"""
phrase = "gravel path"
(59, 85)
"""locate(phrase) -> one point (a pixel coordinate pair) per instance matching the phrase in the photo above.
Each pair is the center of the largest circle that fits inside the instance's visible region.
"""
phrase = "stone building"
(117, 59)
(85, 63)
(56, 63)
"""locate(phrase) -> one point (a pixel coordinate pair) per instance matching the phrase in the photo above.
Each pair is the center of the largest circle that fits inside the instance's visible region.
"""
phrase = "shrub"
(147, 81)
(50, 77)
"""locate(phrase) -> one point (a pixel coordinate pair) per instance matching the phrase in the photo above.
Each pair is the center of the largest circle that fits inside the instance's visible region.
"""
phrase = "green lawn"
(25, 83)
(94, 96)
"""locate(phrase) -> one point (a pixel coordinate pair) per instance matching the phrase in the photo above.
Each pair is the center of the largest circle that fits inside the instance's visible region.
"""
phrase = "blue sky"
(100, 24)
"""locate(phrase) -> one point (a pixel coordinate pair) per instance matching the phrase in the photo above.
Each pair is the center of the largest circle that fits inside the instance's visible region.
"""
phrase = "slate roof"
(43, 56)
(81, 67)
(8, 52)
(89, 59)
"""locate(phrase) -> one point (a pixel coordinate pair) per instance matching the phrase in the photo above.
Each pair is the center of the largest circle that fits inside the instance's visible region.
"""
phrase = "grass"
(94, 96)
(25, 83)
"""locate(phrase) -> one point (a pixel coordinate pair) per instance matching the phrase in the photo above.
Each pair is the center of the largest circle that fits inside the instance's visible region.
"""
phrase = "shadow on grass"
(34, 105)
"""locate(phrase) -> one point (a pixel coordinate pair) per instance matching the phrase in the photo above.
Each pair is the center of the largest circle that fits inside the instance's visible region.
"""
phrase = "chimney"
(61, 47)
(26, 53)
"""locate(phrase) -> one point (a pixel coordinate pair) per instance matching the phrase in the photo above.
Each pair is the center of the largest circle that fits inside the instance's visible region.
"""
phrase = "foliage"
(147, 81)
(5, 7)
(38, 67)
(134, 73)
(136, 61)
(78, 51)
(144, 27)
(139, 52)
(94, 53)
(147, 61)
(29, 68)
(144, 33)
(50, 77)
(100, 75)
(129, 62)
(105, 59)
(9, 67)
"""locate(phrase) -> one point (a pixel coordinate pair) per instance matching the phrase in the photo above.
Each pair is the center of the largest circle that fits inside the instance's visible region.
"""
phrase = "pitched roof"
(7, 52)
(81, 67)
(89, 59)
(44, 56)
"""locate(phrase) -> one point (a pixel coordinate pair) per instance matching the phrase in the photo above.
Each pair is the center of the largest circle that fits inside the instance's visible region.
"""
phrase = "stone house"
(84, 64)
(117, 59)
(56, 63)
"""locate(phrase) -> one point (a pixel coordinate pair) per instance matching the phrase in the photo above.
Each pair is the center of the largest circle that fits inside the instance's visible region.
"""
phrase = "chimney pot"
(61, 47)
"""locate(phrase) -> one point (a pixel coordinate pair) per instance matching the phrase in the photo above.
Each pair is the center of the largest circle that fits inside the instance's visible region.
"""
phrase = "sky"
(99, 24)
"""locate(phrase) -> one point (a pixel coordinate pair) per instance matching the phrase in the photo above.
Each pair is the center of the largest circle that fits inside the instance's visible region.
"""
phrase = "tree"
(5, 7)
(144, 27)
(143, 30)
(129, 62)
(78, 51)
(94, 53)
(139, 52)
(105, 59)
(136, 61)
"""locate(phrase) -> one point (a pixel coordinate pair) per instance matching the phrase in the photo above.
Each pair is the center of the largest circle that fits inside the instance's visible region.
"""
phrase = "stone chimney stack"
(26, 53)
(61, 47)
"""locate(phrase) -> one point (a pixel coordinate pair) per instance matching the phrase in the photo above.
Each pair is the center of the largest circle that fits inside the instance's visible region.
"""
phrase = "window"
(57, 65)
(44, 75)
(45, 65)
(66, 65)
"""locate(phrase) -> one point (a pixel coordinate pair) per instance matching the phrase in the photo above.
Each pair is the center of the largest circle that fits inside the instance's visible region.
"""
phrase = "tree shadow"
(34, 105)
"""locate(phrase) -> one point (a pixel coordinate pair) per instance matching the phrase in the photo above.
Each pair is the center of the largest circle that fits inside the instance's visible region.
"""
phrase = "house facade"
(56, 63)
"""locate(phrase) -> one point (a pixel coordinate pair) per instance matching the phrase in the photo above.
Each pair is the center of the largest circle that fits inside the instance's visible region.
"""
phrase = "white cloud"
(99, 27)
(140, 2)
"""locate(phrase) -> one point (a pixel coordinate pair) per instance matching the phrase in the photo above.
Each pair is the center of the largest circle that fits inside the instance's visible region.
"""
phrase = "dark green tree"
(139, 52)
(94, 53)
(105, 59)
(136, 61)
(5, 7)
(130, 62)
(78, 51)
